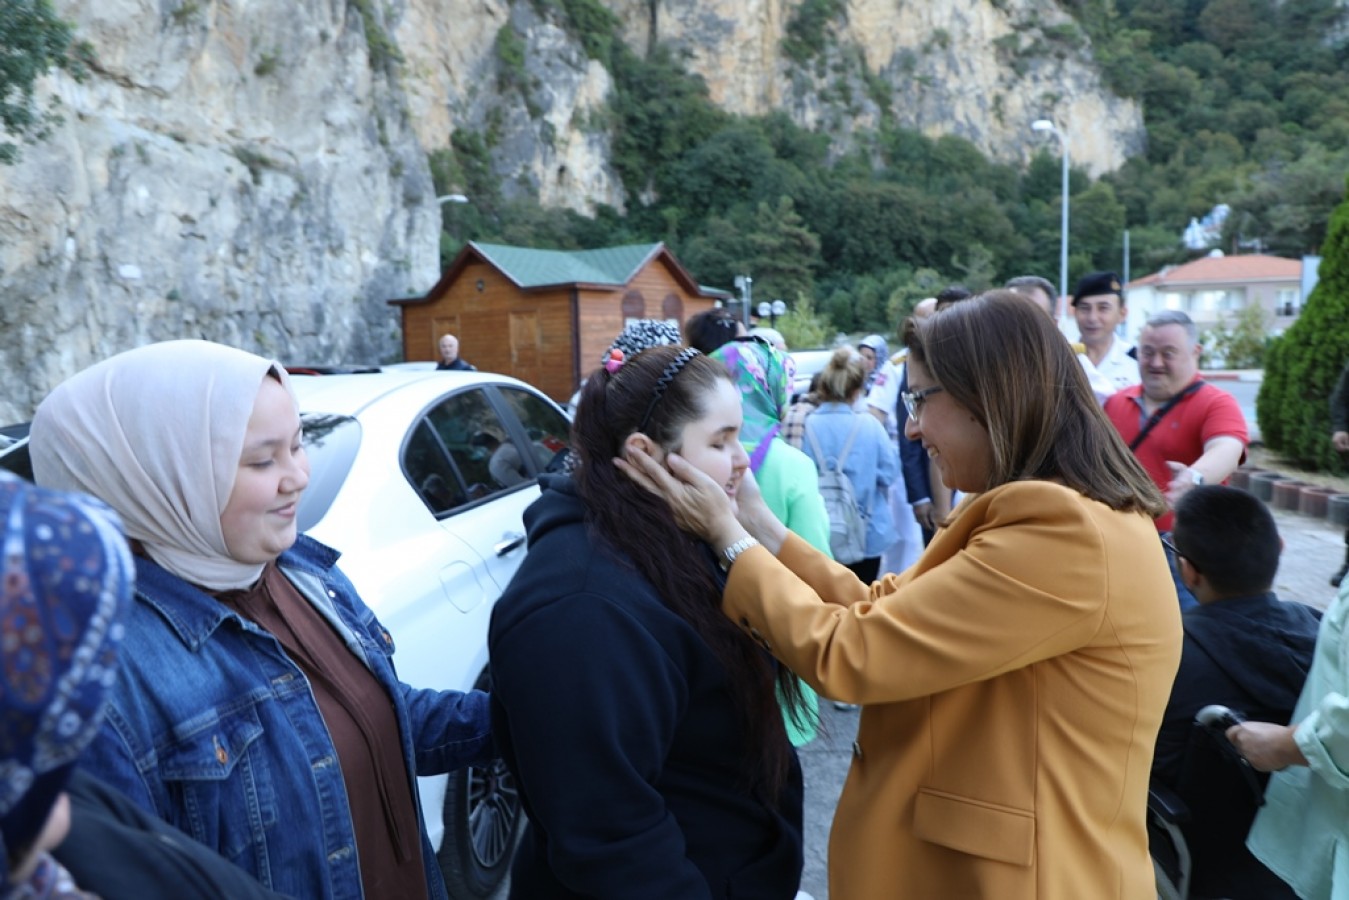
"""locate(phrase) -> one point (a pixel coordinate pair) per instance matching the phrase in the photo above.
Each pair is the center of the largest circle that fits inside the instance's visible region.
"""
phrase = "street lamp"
(745, 284)
(452, 198)
(772, 311)
(1046, 125)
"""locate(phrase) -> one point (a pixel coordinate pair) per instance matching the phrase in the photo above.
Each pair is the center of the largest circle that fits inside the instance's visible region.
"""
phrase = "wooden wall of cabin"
(652, 294)
(527, 335)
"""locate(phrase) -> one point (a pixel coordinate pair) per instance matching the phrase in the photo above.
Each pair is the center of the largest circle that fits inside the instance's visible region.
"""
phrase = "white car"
(421, 478)
(809, 363)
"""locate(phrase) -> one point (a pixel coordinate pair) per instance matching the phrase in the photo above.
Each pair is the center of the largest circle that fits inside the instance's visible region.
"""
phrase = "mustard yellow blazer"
(1012, 682)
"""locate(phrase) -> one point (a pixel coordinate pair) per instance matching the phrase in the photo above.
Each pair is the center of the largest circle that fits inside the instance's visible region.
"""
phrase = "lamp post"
(1047, 125)
(452, 198)
(746, 286)
(772, 311)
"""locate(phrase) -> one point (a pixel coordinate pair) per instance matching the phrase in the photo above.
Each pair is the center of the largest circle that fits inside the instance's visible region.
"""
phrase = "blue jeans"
(1187, 600)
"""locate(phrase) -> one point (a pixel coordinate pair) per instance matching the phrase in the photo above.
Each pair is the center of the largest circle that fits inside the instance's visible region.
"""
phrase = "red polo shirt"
(1181, 434)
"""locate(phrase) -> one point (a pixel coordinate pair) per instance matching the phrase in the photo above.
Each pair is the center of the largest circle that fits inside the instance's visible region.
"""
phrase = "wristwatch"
(732, 553)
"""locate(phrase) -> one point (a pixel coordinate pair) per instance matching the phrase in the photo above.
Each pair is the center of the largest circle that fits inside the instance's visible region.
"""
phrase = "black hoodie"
(614, 716)
(1250, 654)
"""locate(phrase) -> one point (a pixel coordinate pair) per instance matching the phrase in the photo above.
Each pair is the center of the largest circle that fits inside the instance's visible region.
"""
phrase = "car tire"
(483, 821)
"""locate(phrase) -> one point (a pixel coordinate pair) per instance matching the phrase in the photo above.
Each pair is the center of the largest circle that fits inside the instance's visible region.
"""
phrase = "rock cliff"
(254, 171)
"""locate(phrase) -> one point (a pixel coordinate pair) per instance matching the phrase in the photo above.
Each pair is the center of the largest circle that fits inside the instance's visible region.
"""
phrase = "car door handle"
(511, 542)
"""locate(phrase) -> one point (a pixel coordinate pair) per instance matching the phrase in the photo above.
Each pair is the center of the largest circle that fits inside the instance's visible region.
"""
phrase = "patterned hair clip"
(615, 361)
(675, 366)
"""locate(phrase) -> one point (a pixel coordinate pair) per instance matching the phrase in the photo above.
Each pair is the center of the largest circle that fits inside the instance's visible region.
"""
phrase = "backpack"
(847, 523)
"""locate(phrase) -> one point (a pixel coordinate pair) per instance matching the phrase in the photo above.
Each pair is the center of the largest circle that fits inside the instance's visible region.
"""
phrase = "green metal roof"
(538, 268)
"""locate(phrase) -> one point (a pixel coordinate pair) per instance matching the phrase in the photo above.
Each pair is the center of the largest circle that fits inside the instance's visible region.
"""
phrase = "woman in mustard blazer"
(1013, 680)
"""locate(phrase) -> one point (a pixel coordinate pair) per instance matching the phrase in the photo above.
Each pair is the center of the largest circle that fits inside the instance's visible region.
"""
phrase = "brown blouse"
(360, 719)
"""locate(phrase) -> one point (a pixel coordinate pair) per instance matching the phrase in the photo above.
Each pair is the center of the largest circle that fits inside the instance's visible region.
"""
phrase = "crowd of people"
(1013, 555)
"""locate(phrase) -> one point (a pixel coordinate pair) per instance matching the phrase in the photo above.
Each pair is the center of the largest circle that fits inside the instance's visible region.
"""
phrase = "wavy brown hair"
(677, 564)
(1006, 362)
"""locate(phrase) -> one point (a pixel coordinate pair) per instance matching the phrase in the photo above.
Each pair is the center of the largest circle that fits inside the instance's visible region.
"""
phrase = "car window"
(462, 453)
(331, 443)
(546, 427)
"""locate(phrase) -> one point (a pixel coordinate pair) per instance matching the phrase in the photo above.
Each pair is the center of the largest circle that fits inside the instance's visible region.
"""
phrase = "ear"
(641, 442)
(1189, 575)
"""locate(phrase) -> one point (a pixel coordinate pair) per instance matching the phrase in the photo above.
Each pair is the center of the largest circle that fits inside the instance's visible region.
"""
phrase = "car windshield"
(331, 443)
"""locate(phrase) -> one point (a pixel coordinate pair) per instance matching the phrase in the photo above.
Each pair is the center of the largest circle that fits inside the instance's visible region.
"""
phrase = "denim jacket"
(212, 727)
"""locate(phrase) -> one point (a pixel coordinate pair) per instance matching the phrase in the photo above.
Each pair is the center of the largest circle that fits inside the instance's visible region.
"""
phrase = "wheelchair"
(1212, 761)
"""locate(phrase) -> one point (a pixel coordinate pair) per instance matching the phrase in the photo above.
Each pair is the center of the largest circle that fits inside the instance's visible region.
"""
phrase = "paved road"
(1313, 550)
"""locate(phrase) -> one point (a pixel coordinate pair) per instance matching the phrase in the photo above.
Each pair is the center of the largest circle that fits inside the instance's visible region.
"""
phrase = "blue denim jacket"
(213, 728)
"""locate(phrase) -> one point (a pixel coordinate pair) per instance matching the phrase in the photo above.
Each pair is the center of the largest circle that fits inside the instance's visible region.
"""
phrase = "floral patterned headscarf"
(763, 375)
(67, 577)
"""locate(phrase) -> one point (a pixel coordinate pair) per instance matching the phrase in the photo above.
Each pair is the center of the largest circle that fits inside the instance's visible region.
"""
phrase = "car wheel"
(483, 820)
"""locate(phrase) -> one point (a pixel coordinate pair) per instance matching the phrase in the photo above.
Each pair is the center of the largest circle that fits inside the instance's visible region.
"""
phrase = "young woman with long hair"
(643, 726)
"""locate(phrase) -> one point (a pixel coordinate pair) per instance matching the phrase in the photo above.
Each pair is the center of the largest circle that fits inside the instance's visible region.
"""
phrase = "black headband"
(663, 383)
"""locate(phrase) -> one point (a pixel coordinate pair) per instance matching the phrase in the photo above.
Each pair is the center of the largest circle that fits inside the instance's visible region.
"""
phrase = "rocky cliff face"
(254, 171)
(236, 172)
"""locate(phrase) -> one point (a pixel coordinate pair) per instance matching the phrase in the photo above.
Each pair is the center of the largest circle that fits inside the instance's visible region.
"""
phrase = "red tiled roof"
(1225, 270)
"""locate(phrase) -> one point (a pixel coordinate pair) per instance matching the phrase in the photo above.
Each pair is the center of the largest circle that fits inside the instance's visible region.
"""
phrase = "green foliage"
(267, 64)
(807, 32)
(595, 26)
(385, 56)
(1240, 342)
(510, 52)
(33, 41)
(1302, 366)
(1247, 103)
(803, 328)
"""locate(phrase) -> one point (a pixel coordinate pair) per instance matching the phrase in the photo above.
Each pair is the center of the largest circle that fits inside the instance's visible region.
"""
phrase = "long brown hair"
(675, 563)
(1005, 361)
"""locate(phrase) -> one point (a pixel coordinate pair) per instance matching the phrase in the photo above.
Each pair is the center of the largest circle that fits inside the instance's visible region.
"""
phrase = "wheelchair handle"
(1218, 718)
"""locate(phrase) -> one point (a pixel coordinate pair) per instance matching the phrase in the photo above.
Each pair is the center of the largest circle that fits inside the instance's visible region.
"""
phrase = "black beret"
(1096, 284)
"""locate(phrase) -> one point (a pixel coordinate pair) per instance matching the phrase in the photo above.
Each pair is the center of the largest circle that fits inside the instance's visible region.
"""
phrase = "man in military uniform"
(1098, 306)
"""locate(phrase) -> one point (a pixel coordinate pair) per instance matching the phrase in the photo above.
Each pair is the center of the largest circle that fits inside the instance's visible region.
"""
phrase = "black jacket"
(614, 716)
(120, 852)
(1250, 654)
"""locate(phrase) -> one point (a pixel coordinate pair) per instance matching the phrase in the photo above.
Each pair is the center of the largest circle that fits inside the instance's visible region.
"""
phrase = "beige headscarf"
(156, 433)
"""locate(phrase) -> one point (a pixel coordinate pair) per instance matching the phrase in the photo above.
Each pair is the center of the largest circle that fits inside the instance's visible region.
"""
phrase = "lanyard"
(1157, 416)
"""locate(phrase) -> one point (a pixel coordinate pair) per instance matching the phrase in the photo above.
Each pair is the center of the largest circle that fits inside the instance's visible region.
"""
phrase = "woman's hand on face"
(700, 505)
(753, 513)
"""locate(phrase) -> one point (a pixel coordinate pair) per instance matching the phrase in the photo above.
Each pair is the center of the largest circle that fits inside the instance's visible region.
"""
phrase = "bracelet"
(732, 553)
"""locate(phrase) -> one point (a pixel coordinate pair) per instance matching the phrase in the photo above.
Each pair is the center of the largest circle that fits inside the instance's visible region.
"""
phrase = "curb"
(1233, 375)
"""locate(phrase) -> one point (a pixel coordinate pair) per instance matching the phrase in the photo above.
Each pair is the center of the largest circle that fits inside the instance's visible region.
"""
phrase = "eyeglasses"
(913, 400)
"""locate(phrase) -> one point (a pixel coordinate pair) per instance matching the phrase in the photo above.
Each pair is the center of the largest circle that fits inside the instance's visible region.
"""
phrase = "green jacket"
(1302, 832)
(791, 489)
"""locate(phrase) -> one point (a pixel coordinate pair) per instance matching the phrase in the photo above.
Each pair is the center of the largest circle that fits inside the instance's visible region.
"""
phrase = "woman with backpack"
(854, 444)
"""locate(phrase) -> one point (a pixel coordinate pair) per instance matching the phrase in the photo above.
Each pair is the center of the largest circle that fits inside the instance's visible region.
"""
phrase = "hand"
(754, 514)
(1266, 746)
(1341, 441)
(924, 513)
(1182, 479)
(700, 505)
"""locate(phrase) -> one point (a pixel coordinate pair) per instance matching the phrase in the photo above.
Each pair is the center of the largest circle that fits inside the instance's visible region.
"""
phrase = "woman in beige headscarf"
(257, 708)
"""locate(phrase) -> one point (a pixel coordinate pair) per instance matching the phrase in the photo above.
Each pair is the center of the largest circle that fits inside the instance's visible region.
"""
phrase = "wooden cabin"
(547, 316)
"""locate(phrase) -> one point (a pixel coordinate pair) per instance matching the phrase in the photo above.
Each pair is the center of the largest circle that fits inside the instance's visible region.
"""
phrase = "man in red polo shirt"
(1183, 430)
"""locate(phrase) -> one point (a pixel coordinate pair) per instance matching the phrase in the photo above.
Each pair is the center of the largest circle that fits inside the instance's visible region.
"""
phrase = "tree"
(802, 327)
(1239, 343)
(1302, 366)
(33, 41)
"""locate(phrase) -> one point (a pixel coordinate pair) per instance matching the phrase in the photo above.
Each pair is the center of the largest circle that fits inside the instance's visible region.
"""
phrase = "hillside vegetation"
(1246, 103)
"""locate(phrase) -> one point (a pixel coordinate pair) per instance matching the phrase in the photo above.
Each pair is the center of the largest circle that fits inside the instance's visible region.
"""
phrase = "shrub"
(1302, 367)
